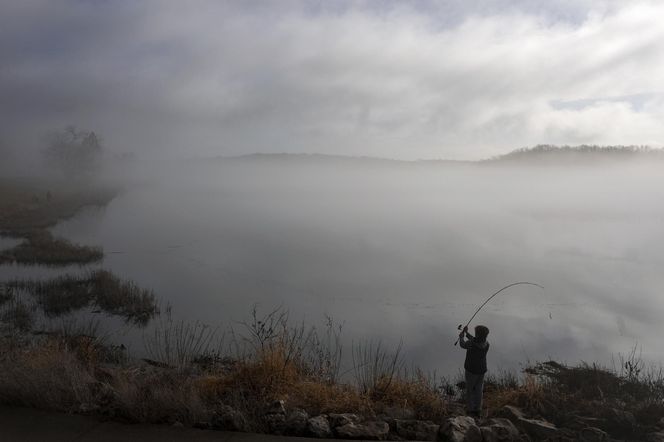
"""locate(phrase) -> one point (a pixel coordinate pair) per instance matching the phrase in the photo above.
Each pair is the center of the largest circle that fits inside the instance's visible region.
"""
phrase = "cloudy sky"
(421, 79)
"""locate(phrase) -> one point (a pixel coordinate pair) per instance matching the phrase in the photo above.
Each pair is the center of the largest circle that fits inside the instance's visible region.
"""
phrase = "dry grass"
(561, 394)
(6, 294)
(419, 393)
(17, 315)
(28, 206)
(276, 360)
(124, 298)
(102, 288)
(64, 373)
(177, 343)
(47, 376)
(157, 396)
(28, 209)
(528, 394)
(280, 362)
(285, 364)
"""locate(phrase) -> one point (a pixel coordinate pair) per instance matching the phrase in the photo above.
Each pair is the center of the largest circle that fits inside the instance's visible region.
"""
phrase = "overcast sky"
(449, 79)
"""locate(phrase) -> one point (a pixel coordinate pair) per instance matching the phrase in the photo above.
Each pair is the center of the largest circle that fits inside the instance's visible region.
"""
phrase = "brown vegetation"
(28, 206)
(41, 248)
(98, 288)
(191, 380)
(27, 210)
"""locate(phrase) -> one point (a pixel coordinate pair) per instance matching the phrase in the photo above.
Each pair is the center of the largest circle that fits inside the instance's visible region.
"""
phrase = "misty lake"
(400, 251)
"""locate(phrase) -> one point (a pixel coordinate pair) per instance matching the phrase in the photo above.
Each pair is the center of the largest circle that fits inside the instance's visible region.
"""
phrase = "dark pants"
(474, 387)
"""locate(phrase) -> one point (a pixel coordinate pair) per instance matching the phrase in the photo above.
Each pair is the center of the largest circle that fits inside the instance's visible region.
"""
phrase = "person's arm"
(463, 342)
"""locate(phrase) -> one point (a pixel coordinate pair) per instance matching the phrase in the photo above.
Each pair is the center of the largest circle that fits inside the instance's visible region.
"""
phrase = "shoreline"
(285, 383)
(28, 210)
(273, 376)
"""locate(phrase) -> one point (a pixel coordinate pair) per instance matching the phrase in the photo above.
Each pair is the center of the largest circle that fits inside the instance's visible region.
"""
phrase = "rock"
(86, 408)
(275, 417)
(341, 419)
(319, 427)
(276, 423)
(499, 430)
(229, 419)
(580, 422)
(593, 434)
(399, 413)
(460, 429)
(619, 422)
(372, 430)
(178, 424)
(416, 430)
(539, 429)
(277, 407)
(296, 423)
(655, 437)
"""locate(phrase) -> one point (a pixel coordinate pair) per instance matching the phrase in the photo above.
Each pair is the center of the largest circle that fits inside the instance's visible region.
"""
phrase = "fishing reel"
(460, 327)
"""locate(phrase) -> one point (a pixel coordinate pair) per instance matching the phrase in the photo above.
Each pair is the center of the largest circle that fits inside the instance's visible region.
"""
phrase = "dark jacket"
(475, 354)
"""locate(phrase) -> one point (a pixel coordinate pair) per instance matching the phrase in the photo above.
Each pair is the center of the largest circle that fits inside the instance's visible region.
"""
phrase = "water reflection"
(402, 252)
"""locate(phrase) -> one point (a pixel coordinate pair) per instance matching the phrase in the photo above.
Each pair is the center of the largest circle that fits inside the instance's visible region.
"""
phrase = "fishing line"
(490, 298)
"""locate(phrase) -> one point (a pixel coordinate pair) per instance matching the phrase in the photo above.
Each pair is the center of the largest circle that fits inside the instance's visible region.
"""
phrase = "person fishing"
(475, 366)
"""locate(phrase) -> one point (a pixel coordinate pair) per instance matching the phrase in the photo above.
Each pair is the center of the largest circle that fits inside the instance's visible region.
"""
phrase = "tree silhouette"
(75, 153)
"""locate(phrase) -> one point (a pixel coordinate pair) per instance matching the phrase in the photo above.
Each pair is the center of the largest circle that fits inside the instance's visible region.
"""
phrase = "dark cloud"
(434, 79)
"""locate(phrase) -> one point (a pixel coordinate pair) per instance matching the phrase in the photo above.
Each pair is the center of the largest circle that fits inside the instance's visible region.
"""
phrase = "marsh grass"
(45, 375)
(124, 298)
(28, 210)
(99, 288)
(41, 248)
(25, 207)
(269, 357)
(278, 359)
(17, 315)
(375, 367)
(177, 343)
(6, 294)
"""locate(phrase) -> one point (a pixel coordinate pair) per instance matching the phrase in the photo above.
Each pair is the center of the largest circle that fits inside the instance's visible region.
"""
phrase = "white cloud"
(216, 77)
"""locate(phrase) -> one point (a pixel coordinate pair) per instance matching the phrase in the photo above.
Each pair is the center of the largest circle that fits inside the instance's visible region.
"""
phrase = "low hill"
(583, 154)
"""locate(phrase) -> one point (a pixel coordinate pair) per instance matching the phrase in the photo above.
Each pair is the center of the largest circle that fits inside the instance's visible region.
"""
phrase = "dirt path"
(28, 425)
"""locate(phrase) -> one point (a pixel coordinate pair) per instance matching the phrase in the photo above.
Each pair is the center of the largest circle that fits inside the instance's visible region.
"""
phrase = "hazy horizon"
(419, 80)
(156, 90)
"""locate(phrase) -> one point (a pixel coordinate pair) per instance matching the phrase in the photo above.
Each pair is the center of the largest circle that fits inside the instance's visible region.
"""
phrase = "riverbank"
(28, 209)
(282, 379)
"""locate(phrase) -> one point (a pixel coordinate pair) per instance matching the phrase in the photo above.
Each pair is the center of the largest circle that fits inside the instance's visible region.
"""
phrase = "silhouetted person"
(476, 349)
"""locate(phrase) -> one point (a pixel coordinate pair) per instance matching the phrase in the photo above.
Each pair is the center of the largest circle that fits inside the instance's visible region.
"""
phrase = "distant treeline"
(552, 152)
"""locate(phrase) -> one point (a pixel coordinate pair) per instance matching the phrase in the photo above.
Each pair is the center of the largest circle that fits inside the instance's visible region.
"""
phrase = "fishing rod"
(490, 298)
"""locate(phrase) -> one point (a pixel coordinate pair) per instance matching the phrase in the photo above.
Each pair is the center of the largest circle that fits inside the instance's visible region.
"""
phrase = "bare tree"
(73, 152)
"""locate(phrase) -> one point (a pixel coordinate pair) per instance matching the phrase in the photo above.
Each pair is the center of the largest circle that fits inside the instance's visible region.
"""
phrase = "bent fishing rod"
(490, 298)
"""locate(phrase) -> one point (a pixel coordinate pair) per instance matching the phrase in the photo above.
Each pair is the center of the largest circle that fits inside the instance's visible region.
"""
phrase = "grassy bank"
(198, 376)
(193, 370)
(28, 209)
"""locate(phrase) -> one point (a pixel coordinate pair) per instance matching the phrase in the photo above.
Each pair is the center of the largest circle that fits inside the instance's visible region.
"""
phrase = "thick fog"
(162, 96)
(404, 250)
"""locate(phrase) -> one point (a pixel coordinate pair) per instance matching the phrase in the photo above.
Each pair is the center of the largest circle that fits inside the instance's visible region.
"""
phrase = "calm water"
(401, 252)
